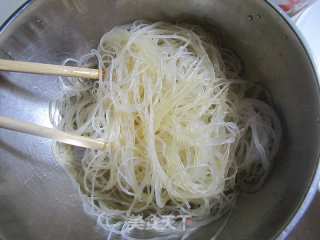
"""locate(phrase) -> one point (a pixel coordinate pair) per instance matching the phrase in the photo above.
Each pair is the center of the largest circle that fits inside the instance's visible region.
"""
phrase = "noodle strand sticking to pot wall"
(186, 132)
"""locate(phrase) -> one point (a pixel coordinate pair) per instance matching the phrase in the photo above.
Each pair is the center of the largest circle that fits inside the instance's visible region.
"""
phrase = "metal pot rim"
(313, 188)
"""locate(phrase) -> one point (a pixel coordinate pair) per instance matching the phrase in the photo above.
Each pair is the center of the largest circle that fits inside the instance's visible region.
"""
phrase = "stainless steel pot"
(37, 200)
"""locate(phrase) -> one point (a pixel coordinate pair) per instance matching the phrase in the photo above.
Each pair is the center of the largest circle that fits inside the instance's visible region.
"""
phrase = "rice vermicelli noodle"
(186, 133)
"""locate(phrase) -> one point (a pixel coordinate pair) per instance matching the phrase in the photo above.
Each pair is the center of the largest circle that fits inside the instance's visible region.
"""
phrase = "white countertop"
(308, 23)
(8, 7)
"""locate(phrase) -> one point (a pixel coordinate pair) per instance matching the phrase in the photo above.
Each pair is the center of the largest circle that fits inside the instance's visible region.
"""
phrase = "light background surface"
(7, 7)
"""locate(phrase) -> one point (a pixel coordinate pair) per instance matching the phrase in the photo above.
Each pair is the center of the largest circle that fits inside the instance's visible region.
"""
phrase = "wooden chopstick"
(48, 69)
(56, 135)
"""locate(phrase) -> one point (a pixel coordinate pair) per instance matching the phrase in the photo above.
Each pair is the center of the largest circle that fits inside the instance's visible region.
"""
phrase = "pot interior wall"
(37, 199)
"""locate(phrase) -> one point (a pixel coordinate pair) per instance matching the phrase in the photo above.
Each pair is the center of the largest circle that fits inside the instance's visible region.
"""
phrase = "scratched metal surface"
(37, 200)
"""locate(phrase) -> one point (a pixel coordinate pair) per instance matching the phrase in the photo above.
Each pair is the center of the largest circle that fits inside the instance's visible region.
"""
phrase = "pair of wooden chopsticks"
(56, 135)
